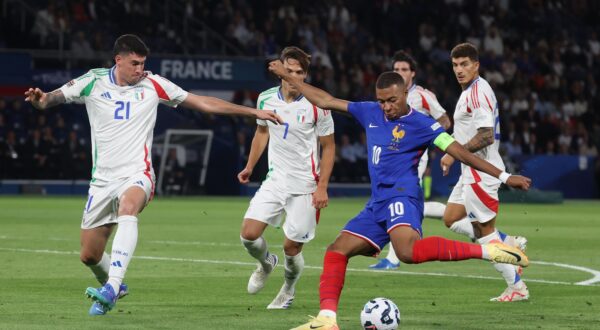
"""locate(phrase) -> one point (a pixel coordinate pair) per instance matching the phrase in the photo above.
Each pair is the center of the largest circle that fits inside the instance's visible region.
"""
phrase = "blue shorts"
(377, 219)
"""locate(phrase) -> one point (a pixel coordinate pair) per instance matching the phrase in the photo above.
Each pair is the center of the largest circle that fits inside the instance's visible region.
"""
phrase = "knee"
(249, 234)
(88, 258)
(292, 248)
(404, 255)
(448, 221)
(126, 207)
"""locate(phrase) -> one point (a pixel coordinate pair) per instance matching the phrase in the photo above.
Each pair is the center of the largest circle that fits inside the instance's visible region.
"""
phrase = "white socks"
(293, 268)
(258, 250)
(122, 249)
(391, 256)
(509, 272)
(100, 270)
(464, 227)
(434, 209)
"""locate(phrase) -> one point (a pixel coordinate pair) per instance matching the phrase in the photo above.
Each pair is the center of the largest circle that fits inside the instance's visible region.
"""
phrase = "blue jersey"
(395, 147)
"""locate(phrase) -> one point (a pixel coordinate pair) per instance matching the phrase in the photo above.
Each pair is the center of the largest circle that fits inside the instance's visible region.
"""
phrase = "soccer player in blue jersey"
(397, 136)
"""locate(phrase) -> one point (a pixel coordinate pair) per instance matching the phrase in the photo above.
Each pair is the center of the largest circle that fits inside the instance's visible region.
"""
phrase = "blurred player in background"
(426, 103)
(473, 205)
(396, 137)
(121, 103)
(296, 184)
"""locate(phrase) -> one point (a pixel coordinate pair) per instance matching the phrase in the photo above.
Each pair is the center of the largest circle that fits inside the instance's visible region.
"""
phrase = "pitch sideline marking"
(589, 282)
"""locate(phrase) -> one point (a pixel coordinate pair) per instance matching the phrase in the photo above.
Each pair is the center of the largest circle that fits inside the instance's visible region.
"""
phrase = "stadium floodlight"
(191, 148)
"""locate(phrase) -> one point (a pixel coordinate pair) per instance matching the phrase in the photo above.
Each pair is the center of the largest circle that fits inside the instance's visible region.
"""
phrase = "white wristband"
(504, 177)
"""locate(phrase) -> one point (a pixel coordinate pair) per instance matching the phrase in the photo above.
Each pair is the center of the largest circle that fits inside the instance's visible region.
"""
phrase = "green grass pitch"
(190, 271)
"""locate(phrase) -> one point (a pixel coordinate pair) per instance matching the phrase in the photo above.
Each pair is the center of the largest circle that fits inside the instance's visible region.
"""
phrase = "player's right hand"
(519, 182)
(244, 175)
(446, 162)
(270, 116)
(34, 95)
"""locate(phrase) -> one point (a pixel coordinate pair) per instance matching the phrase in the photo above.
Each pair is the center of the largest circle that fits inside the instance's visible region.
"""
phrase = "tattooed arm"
(483, 138)
(41, 100)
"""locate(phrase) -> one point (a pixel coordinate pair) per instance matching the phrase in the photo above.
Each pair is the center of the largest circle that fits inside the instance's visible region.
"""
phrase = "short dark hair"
(402, 56)
(465, 50)
(130, 43)
(388, 79)
(296, 54)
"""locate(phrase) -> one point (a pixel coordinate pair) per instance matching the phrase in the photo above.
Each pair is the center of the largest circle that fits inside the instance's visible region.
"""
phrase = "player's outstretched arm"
(41, 100)
(217, 106)
(315, 95)
(259, 142)
(459, 152)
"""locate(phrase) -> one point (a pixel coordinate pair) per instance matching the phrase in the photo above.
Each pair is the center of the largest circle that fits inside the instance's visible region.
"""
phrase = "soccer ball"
(380, 314)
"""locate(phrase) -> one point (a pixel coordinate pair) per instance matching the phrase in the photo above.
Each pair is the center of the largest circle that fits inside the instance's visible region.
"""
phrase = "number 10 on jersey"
(119, 110)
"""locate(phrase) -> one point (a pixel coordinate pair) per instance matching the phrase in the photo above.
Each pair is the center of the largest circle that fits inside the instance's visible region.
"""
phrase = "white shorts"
(480, 199)
(269, 206)
(102, 204)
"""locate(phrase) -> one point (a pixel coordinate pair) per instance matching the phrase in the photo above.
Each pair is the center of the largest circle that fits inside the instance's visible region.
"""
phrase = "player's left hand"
(320, 199)
(519, 182)
(270, 116)
(276, 67)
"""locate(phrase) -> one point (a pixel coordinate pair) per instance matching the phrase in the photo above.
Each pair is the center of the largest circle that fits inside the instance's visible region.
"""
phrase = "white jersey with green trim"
(294, 146)
(122, 119)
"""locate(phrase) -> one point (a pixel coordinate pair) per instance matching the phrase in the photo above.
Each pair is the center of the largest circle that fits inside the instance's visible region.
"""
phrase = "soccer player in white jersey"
(473, 204)
(426, 103)
(121, 103)
(296, 184)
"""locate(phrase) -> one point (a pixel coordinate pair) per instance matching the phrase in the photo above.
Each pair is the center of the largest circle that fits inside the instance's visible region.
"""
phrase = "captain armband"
(443, 140)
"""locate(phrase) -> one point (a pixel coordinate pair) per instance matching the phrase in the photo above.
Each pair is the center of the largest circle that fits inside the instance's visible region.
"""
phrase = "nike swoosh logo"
(317, 327)
(372, 126)
(393, 219)
(513, 254)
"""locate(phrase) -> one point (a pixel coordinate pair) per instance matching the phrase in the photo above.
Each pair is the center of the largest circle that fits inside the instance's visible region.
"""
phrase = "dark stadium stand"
(541, 57)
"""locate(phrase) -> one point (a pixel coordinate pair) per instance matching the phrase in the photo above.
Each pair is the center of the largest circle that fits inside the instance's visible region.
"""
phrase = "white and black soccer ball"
(380, 314)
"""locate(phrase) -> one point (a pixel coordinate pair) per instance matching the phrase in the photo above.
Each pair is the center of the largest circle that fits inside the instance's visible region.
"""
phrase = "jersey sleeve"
(168, 93)
(360, 111)
(430, 130)
(483, 113)
(431, 104)
(77, 89)
(260, 104)
(324, 122)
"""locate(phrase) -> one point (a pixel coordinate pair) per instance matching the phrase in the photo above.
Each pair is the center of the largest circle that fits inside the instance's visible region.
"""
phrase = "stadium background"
(541, 57)
(189, 270)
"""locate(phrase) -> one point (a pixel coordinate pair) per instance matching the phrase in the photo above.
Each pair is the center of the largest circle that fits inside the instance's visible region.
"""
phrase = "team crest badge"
(301, 115)
(139, 94)
(398, 134)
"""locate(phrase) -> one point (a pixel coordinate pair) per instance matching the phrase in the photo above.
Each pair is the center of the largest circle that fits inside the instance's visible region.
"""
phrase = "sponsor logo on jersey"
(435, 126)
(106, 95)
(71, 83)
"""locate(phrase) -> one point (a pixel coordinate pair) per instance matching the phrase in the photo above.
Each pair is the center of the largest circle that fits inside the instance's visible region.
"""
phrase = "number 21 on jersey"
(122, 106)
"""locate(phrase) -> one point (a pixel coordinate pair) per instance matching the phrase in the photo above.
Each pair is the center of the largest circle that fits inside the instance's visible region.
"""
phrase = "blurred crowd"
(541, 57)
